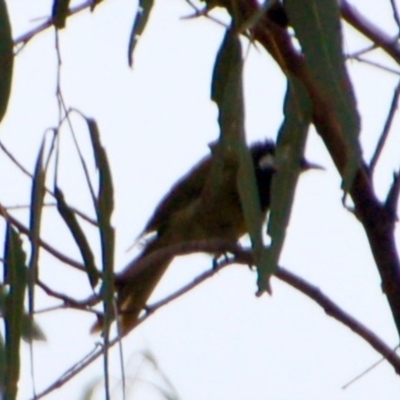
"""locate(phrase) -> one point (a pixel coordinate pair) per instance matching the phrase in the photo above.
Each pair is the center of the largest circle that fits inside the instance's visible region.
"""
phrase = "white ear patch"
(266, 161)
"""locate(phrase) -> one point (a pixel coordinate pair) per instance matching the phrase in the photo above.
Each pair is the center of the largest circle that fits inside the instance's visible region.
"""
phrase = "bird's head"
(266, 165)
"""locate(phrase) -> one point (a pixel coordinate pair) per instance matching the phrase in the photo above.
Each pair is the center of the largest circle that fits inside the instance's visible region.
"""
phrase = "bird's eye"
(266, 161)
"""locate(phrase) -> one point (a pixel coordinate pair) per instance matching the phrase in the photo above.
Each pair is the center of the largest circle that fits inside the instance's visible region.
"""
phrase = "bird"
(191, 212)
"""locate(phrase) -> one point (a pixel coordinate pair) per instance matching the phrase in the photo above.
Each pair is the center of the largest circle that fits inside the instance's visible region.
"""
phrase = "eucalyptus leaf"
(6, 58)
(79, 236)
(227, 92)
(139, 25)
(16, 277)
(317, 27)
(289, 153)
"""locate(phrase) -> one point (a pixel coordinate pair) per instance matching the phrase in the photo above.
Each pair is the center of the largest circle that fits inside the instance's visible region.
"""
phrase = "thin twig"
(54, 252)
(63, 109)
(386, 129)
(69, 301)
(14, 160)
(377, 65)
(50, 192)
(369, 30)
(361, 52)
(334, 311)
(26, 206)
(202, 12)
(188, 287)
(26, 37)
(369, 369)
(395, 14)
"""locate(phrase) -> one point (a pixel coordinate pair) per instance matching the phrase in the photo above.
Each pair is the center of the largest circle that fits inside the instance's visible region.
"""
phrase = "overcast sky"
(219, 341)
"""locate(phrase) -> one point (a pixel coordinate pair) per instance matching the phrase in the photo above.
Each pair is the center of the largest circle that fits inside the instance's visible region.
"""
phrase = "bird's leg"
(219, 259)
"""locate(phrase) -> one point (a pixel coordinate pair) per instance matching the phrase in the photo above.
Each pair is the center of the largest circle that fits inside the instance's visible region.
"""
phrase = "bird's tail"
(135, 284)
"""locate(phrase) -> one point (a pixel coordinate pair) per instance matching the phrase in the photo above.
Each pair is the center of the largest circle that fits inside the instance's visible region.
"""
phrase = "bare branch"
(50, 249)
(376, 220)
(26, 37)
(213, 246)
(334, 311)
(386, 129)
(371, 31)
(361, 52)
(69, 301)
(396, 15)
(243, 257)
(50, 192)
(376, 65)
(14, 160)
(374, 365)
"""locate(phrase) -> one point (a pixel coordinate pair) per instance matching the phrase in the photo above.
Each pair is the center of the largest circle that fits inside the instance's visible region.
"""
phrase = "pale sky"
(219, 341)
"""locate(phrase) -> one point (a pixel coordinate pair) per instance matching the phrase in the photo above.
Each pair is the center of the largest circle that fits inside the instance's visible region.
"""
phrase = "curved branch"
(241, 256)
(244, 256)
(377, 221)
(334, 311)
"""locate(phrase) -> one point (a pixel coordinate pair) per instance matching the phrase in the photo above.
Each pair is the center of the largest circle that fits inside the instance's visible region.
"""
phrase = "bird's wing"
(184, 192)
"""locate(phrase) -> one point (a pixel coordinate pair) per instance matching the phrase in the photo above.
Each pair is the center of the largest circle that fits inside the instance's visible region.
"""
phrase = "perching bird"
(190, 212)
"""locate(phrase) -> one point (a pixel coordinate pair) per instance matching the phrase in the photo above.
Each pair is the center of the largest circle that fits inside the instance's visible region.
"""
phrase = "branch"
(26, 37)
(94, 355)
(376, 65)
(378, 223)
(396, 15)
(242, 256)
(54, 252)
(69, 301)
(372, 32)
(50, 192)
(213, 246)
(334, 311)
(386, 129)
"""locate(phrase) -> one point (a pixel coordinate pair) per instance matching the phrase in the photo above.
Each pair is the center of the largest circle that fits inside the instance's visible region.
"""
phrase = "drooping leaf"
(35, 218)
(106, 188)
(60, 12)
(16, 277)
(227, 92)
(139, 24)
(104, 209)
(289, 153)
(227, 86)
(6, 58)
(318, 29)
(79, 236)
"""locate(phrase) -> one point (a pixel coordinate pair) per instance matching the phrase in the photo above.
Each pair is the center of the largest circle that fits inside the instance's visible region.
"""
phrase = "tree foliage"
(305, 40)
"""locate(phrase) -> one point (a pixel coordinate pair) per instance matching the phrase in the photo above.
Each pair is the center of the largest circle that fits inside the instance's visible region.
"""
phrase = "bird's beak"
(305, 165)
